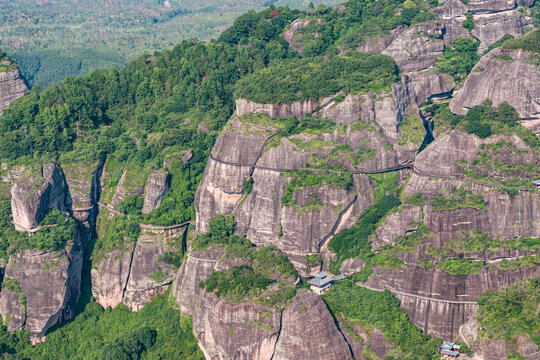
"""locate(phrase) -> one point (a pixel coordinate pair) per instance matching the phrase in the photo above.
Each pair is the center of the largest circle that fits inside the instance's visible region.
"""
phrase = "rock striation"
(43, 289)
(308, 330)
(235, 331)
(12, 85)
(34, 193)
(502, 75)
(155, 191)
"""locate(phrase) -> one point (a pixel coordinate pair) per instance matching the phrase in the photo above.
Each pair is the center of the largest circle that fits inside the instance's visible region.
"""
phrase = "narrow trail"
(420, 297)
(407, 165)
(146, 226)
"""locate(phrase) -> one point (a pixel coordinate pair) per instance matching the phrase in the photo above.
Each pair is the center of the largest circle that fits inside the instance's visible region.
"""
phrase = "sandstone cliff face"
(34, 193)
(438, 302)
(515, 81)
(149, 275)
(82, 191)
(308, 331)
(135, 273)
(194, 269)
(242, 331)
(12, 86)
(368, 121)
(156, 189)
(45, 289)
(414, 49)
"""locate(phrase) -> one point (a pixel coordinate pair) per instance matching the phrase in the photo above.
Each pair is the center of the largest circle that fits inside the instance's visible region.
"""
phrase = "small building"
(449, 350)
(321, 282)
(536, 183)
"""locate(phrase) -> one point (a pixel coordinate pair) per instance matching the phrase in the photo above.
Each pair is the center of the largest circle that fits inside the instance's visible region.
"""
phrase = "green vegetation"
(469, 23)
(300, 179)
(76, 37)
(510, 312)
(485, 120)
(11, 284)
(493, 165)
(459, 59)
(303, 79)
(458, 199)
(412, 129)
(333, 30)
(248, 186)
(381, 310)
(524, 262)
(312, 260)
(239, 282)
(155, 332)
(458, 267)
(354, 242)
(529, 43)
(116, 234)
(54, 233)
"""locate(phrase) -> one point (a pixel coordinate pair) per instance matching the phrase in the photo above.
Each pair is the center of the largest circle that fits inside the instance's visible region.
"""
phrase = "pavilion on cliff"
(449, 350)
(322, 282)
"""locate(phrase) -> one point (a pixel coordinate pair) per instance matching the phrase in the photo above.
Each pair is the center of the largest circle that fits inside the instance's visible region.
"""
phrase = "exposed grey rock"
(194, 269)
(515, 81)
(491, 27)
(351, 266)
(149, 275)
(235, 331)
(308, 331)
(49, 283)
(414, 49)
(109, 277)
(490, 6)
(156, 189)
(12, 86)
(292, 37)
(82, 191)
(34, 193)
(429, 84)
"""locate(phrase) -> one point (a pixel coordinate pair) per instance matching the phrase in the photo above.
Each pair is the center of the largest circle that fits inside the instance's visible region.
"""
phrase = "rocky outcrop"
(194, 269)
(489, 28)
(292, 37)
(490, 6)
(82, 191)
(12, 85)
(308, 331)
(278, 111)
(109, 277)
(414, 49)
(502, 75)
(135, 273)
(242, 331)
(149, 275)
(156, 189)
(34, 193)
(299, 230)
(41, 289)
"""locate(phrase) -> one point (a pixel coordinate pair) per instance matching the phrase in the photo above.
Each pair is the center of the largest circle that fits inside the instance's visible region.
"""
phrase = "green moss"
(412, 129)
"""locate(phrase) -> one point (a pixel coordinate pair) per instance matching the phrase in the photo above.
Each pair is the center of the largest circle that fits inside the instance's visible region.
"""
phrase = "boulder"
(502, 75)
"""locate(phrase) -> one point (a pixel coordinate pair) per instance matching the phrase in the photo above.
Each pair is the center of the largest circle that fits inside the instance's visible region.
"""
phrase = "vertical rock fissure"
(129, 271)
(279, 332)
(338, 221)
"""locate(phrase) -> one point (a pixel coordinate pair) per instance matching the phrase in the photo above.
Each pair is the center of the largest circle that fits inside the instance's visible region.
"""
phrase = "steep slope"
(12, 85)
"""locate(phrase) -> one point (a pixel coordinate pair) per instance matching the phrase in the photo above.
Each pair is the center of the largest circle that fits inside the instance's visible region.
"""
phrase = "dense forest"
(160, 106)
(52, 40)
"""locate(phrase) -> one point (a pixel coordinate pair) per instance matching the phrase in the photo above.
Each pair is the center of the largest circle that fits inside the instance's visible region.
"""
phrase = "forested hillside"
(175, 207)
(52, 40)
